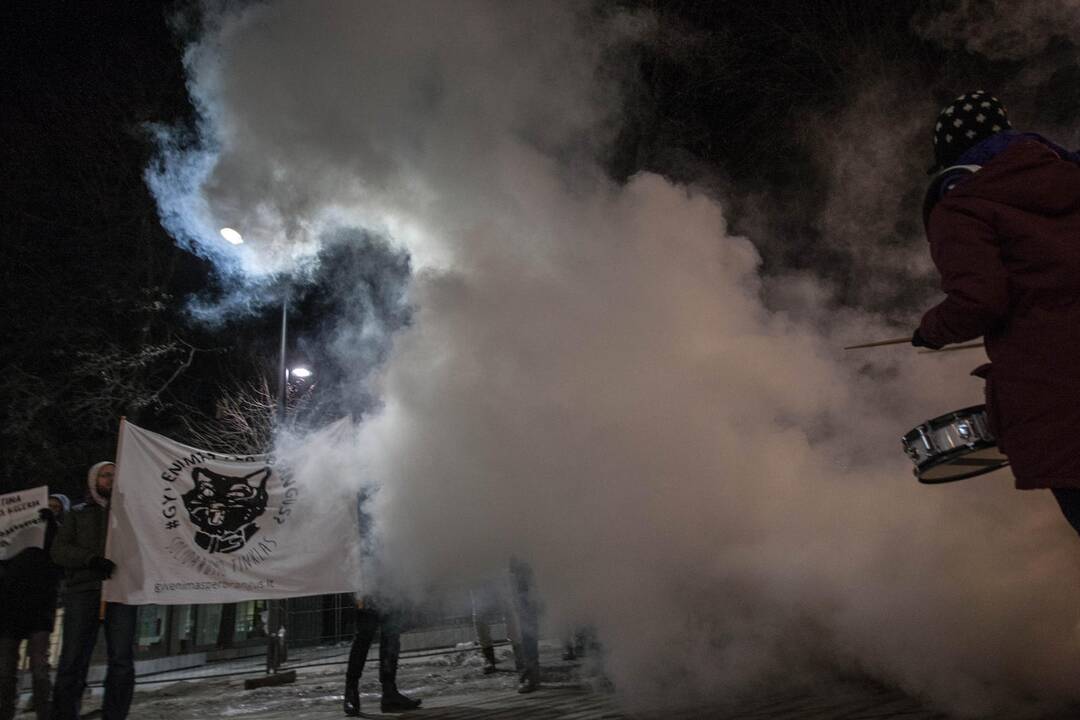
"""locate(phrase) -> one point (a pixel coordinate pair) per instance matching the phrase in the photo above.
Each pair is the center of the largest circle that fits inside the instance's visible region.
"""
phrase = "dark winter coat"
(29, 590)
(1006, 240)
(80, 538)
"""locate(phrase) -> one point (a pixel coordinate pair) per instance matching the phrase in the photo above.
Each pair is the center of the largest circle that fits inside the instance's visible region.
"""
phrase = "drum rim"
(954, 478)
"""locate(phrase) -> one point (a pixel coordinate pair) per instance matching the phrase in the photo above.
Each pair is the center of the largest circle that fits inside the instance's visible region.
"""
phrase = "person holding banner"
(27, 612)
(79, 549)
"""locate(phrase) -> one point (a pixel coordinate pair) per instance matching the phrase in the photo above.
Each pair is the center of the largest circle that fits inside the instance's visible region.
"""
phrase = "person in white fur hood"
(79, 548)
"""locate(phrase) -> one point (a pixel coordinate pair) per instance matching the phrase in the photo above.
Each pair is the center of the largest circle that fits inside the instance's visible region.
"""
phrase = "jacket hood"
(91, 486)
(1029, 175)
(64, 500)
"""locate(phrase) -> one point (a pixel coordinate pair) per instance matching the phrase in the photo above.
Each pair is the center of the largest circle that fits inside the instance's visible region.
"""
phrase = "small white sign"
(21, 525)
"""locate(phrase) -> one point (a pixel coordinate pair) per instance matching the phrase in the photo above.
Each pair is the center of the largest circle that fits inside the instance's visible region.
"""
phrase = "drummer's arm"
(967, 253)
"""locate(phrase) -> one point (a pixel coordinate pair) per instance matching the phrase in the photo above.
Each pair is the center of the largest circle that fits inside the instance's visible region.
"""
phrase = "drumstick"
(950, 349)
(879, 343)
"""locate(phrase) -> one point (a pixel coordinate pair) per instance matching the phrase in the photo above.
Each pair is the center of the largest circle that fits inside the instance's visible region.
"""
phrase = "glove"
(103, 565)
(46, 515)
(919, 341)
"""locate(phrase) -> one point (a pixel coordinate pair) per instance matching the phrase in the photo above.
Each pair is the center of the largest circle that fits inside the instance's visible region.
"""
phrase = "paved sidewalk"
(575, 704)
(453, 687)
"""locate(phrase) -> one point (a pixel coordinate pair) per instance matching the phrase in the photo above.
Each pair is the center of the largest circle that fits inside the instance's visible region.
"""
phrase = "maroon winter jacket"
(1007, 243)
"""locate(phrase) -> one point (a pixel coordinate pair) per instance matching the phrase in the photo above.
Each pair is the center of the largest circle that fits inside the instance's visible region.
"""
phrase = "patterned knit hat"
(964, 123)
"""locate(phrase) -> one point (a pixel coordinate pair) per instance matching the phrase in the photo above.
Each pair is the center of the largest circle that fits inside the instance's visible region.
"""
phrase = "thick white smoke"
(592, 382)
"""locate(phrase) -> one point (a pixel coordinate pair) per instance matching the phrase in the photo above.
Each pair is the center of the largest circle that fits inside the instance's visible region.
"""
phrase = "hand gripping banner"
(194, 526)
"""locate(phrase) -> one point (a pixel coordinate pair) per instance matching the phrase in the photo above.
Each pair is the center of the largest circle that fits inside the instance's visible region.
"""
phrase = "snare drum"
(954, 446)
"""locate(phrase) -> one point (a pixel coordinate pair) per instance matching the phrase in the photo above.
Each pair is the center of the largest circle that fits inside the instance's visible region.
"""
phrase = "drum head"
(962, 464)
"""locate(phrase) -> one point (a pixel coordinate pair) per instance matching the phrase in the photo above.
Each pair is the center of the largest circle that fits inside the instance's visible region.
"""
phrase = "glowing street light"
(232, 236)
(300, 372)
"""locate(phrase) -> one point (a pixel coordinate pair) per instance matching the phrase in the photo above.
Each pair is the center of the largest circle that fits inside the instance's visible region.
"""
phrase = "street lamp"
(231, 236)
(301, 373)
(273, 648)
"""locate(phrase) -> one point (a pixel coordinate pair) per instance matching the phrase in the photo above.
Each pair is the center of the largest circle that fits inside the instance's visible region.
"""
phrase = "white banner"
(193, 526)
(21, 525)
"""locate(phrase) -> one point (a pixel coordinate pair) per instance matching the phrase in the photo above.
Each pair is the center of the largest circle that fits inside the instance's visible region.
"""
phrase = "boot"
(530, 682)
(352, 697)
(394, 701)
(389, 653)
(489, 660)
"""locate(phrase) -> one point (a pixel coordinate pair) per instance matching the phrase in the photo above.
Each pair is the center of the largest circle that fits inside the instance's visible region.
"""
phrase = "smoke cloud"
(1040, 41)
(591, 378)
(1001, 30)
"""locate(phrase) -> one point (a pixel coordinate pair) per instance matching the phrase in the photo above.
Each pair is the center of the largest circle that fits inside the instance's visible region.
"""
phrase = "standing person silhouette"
(79, 548)
(374, 612)
(28, 593)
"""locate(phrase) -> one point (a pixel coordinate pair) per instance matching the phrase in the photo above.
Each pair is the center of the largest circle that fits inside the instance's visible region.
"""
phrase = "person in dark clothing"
(1003, 220)
(484, 613)
(79, 548)
(490, 604)
(372, 613)
(27, 612)
(370, 616)
(579, 642)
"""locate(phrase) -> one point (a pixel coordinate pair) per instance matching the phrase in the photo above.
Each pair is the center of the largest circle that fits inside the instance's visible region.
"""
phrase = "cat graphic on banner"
(195, 526)
(21, 525)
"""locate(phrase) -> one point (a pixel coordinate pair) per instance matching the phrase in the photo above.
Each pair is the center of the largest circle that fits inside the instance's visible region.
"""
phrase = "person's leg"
(528, 623)
(120, 622)
(568, 648)
(366, 622)
(1069, 501)
(37, 648)
(9, 684)
(530, 648)
(389, 653)
(513, 631)
(77, 645)
(480, 614)
(487, 649)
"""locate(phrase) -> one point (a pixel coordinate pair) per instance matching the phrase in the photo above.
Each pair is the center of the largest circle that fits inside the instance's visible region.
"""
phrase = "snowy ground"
(317, 691)
(453, 687)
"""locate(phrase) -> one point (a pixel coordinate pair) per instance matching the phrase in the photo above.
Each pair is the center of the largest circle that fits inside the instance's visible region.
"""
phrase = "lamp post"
(283, 373)
(274, 641)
